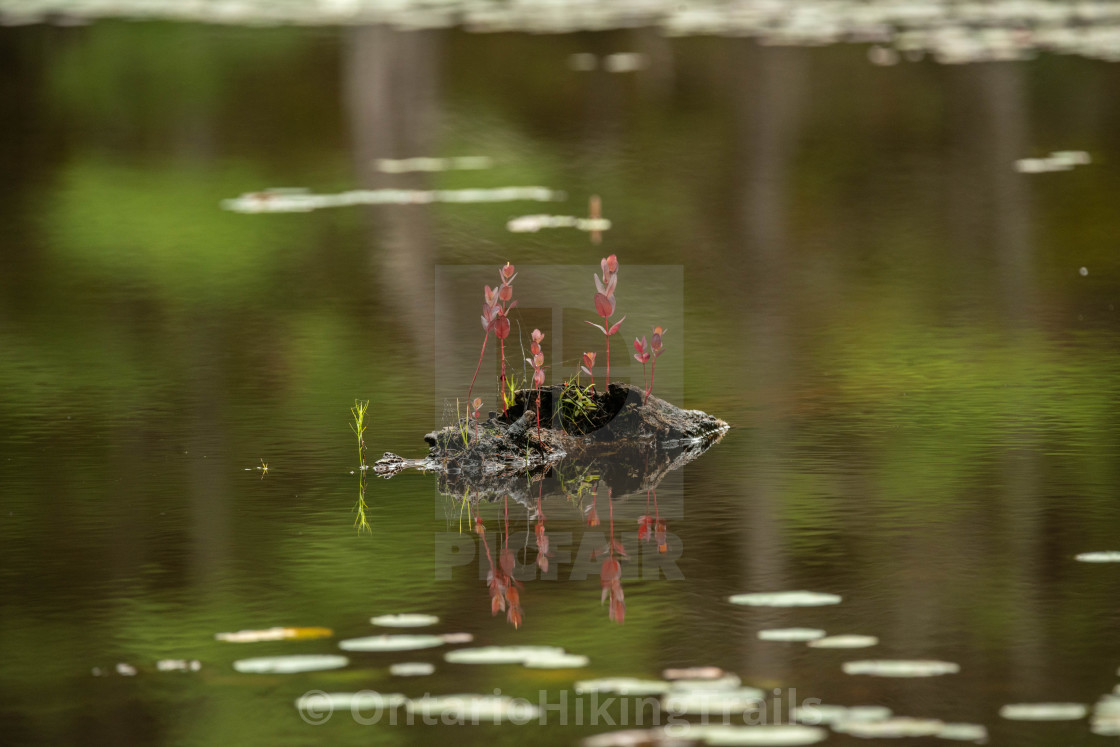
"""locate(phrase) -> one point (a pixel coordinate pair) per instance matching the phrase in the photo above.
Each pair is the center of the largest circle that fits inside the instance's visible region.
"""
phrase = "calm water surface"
(916, 345)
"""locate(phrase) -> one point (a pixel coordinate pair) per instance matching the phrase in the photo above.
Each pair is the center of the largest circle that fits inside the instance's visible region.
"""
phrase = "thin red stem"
(607, 326)
(539, 417)
(502, 379)
(610, 504)
(652, 371)
(476, 368)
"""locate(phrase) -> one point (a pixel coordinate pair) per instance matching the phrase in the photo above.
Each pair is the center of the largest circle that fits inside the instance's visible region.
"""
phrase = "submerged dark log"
(630, 444)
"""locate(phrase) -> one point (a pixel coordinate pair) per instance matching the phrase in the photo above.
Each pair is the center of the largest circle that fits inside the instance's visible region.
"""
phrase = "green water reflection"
(923, 386)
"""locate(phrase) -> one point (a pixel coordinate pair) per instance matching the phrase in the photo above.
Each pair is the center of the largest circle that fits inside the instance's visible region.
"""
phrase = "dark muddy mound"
(631, 443)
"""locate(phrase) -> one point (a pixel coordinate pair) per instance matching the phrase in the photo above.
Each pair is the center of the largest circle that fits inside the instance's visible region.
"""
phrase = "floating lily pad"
(628, 738)
(708, 702)
(178, 665)
(790, 634)
(785, 599)
(1109, 556)
(622, 686)
(1044, 711)
(728, 681)
(474, 708)
(411, 669)
(274, 634)
(1106, 717)
(901, 668)
(391, 643)
(845, 641)
(693, 673)
(762, 736)
(290, 664)
(830, 714)
(963, 732)
(501, 654)
(557, 661)
(890, 728)
(404, 621)
(365, 699)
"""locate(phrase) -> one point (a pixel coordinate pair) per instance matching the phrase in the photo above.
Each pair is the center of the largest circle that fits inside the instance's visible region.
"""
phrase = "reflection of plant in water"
(504, 588)
(542, 539)
(610, 575)
(360, 520)
(653, 525)
(592, 514)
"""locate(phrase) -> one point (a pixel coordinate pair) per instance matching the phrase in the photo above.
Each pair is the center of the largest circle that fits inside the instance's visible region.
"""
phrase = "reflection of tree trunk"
(210, 502)
(768, 120)
(989, 203)
(1006, 132)
(392, 98)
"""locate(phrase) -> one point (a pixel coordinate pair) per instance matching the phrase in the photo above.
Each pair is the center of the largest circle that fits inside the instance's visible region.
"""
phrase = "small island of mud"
(632, 443)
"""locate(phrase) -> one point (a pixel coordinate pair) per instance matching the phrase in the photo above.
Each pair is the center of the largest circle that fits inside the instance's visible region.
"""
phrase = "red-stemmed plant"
(495, 306)
(588, 363)
(655, 349)
(642, 356)
(605, 303)
(476, 407)
(537, 361)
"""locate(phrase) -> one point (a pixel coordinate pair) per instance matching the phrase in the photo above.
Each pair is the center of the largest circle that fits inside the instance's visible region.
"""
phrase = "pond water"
(916, 343)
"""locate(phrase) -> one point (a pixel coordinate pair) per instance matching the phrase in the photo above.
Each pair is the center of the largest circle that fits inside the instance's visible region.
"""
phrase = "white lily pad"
(1106, 717)
(777, 735)
(708, 702)
(845, 641)
(829, 714)
(290, 664)
(728, 681)
(411, 669)
(785, 599)
(274, 634)
(1109, 556)
(891, 728)
(404, 620)
(320, 701)
(1044, 711)
(693, 673)
(790, 634)
(628, 738)
(901, 667)
(622, 686)
(391, 643)
(501, 654)
(963, 732)
(474, 708)
(557, 661)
